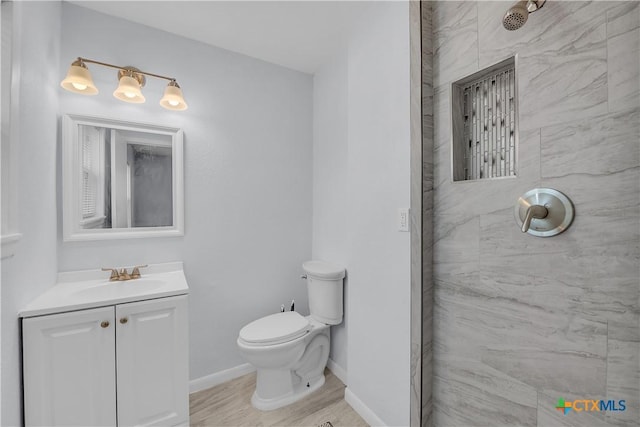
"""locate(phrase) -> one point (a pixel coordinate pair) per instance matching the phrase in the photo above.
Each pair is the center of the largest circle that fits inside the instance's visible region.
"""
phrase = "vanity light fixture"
(129, 87)
(79, 79)
(130, 82)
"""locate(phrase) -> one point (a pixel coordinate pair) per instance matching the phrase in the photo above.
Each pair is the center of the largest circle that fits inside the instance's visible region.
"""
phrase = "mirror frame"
(71, 161)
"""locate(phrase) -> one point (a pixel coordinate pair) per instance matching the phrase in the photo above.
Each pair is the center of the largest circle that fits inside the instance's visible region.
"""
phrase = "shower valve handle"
(553, 212)
(533, 211)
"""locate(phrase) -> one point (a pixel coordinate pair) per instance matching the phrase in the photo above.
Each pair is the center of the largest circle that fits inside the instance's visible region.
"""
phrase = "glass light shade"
(129, 90)
(79, 80)
(173, 99)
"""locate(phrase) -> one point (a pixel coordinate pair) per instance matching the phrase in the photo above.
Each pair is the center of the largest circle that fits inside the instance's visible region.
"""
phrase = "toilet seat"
(275, 329)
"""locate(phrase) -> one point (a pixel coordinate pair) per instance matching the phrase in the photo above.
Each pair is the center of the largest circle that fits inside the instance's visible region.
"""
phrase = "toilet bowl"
(289, 365)
(290, 351)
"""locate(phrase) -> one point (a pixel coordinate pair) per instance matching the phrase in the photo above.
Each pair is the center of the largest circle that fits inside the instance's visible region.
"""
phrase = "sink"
(78, 290)
(124, 289)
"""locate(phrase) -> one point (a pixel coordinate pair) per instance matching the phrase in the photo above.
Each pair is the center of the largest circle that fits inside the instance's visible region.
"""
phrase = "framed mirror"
(121, 179)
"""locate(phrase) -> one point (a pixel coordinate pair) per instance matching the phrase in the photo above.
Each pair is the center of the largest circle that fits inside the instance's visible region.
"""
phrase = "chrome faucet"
(122, 275)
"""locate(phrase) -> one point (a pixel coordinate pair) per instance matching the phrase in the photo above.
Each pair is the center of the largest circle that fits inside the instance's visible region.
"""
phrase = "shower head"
(518, 14)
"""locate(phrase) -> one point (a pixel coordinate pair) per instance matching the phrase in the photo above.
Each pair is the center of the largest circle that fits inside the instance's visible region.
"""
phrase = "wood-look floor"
(229, 404)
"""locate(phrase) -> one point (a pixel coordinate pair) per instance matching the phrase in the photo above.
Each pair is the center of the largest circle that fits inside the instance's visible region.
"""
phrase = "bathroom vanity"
(106, 353)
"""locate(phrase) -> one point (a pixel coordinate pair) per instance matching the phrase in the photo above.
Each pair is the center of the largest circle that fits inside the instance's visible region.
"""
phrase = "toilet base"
(299, 392)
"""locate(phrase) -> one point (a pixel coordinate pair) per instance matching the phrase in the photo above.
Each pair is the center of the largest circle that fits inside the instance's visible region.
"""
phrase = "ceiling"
(300, 35)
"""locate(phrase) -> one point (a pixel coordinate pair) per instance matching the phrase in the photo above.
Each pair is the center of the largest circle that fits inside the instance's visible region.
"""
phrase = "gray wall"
(361, 178)
(329, 180)
(248, 146)
(33, 268)
(377, 185)
(521, 321)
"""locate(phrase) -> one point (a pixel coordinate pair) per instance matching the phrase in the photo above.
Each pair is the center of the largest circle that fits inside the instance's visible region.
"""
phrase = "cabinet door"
(152, 357)
(69, 369)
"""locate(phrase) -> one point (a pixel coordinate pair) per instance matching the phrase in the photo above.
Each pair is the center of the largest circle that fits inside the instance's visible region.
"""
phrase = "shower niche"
(485, 124)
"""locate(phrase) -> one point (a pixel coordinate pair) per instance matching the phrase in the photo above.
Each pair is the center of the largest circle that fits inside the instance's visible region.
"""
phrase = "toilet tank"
(325, 283)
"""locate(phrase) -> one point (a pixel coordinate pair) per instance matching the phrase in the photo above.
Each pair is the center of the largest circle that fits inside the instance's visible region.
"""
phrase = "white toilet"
(290, 351)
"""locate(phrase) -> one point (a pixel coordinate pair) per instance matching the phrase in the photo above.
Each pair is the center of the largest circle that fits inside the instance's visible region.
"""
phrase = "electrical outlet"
(403, 219)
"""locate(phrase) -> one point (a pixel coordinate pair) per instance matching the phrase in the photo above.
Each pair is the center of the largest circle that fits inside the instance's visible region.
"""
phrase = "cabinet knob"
(105, 324)
(124, 320)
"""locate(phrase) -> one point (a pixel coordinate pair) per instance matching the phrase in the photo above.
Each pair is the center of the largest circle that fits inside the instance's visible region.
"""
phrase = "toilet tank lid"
(323, 270)
(275, 328)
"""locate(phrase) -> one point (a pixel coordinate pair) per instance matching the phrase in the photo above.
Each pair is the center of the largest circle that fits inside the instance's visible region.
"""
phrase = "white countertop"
(78, 290)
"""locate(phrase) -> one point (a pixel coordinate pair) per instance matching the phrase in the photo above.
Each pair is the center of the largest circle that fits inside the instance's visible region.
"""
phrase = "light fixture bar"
(91, 61)
(130, 81)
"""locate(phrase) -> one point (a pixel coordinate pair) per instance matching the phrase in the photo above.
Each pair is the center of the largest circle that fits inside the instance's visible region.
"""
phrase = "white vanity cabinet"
(152, 361)
(119, 365)
(69, 368)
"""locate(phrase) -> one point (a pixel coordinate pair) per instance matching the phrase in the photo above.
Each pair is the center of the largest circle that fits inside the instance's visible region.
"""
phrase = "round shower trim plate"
(560, 211)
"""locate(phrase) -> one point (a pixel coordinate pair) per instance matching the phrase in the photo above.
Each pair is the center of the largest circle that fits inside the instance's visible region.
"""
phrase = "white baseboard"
(363, 410)
(338, 371)
(218, 378)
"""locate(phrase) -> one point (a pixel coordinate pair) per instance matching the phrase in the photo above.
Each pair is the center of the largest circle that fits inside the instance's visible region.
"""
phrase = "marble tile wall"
(422, 208)
(427, 215)
(415, 38)
(520, 321)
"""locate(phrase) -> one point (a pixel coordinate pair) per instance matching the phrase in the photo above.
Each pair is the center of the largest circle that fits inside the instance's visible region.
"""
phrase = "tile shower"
(519, 321)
